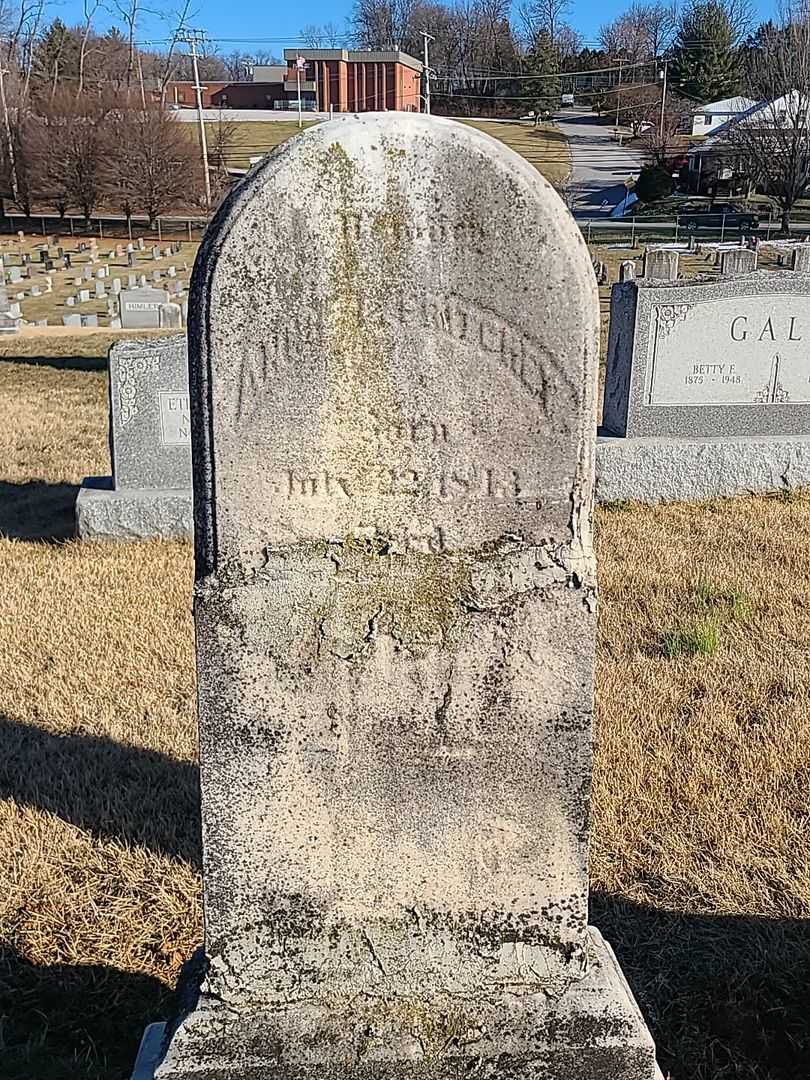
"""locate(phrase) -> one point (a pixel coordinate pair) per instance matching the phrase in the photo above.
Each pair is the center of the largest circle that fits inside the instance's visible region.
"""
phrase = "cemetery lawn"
(543, 146)
(700, 868)
(248, 138)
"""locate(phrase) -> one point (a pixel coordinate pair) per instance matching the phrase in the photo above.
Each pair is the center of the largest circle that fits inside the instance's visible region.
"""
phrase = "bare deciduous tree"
(73, 147)
(642, 32)
(771, 143)
(327, 36)
(90, 7)
(544, 16)
(157, 168)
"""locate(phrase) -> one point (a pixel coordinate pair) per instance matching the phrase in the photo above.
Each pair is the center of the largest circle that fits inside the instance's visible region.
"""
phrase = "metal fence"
(190, 228)
(638, 230)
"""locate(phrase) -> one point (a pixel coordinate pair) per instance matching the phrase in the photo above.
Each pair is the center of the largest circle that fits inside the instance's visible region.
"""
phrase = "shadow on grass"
(65, 1022)
(37, 510)
(110, 789)
(726, 997)
(61, 363)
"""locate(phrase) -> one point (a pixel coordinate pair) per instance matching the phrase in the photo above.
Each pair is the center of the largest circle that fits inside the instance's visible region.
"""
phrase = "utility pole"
(426, 69)
(15, 188)
(621, 60)
(193, 38)
(663, 75)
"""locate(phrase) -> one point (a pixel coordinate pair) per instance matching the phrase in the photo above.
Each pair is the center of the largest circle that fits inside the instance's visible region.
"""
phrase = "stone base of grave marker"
(651, 470)
(102, 513)
(594, 1031)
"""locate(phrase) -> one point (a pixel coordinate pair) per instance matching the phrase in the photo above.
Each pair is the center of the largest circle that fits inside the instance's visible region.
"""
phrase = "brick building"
(182, 95)
(339, 80)
(355, 81)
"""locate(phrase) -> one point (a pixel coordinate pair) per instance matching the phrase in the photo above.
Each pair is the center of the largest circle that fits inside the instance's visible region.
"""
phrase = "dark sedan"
(695, 216)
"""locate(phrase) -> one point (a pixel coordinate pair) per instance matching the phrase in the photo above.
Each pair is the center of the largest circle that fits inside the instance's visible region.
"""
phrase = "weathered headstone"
(627, 271)
(140, 308)
(739, 261)
(149, 492)
(89, 320)
(171, 317)
(707, 388)
(14, 274)
(84, 296)
(101, 291)
(70, 301)
(87, 272)
(71, 320)
(395, 618)
(661, 265)
(801, 258)
(141, 243)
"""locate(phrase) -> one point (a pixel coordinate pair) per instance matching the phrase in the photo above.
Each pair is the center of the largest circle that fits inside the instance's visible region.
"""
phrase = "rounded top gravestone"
(395, 325)
(393, 372)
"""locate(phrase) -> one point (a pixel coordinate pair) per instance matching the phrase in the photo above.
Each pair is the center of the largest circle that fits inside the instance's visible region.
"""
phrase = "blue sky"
(253, 20)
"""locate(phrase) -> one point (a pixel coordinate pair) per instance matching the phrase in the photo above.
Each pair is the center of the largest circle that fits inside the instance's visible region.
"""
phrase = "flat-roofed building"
(354, 80)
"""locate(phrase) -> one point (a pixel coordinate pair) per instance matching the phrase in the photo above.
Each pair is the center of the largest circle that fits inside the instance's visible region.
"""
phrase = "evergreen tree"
(543, 59)
(56, 55)
(706, 61)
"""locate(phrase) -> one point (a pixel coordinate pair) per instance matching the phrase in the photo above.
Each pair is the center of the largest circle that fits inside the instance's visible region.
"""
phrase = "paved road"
(600, 165)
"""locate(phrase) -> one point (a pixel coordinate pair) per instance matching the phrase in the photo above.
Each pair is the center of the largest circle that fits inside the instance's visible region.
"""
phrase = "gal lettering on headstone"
(393, 434)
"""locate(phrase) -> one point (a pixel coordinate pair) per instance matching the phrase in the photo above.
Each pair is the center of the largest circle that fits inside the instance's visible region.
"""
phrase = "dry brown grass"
(700, 862)
(544, 146)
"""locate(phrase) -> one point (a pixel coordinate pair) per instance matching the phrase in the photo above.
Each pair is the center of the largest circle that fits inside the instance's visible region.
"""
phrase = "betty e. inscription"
(716, 354)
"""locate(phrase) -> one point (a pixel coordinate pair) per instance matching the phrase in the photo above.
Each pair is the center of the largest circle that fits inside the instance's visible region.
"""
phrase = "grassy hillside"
(544, 146)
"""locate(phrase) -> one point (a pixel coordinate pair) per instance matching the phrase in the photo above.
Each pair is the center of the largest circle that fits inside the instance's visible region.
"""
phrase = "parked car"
(719, 215)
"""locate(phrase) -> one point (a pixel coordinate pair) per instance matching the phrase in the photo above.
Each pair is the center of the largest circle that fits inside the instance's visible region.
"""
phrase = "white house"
(707, 118)
(713, 164)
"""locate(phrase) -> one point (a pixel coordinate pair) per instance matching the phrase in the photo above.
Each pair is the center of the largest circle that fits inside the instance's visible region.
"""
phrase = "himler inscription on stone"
(393, 433)
(713, 358)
